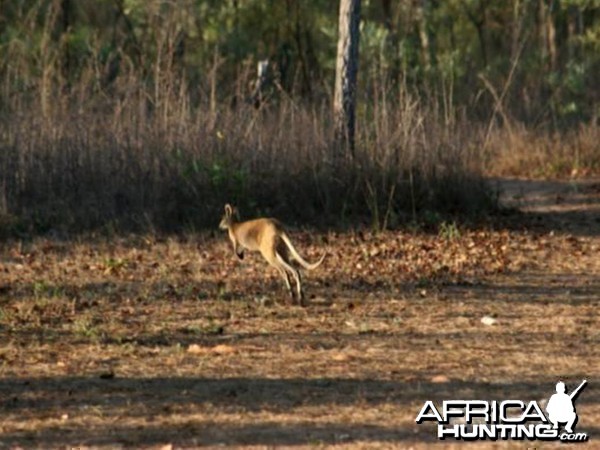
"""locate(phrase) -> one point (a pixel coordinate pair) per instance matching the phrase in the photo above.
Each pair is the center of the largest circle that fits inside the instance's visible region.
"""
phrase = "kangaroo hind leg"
(295, 273)
(275, 260)
(286, 277)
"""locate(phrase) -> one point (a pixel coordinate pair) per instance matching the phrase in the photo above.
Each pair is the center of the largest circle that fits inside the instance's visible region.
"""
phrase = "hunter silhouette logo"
(560, 406)
(508, 419)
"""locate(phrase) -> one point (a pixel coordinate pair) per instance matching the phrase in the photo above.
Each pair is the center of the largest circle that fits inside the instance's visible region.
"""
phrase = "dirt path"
(572, 206)
(146, 343)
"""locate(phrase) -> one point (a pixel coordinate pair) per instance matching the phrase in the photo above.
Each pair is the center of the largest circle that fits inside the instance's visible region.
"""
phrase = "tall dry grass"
(117, 143)
(130, 160)
(522, 152)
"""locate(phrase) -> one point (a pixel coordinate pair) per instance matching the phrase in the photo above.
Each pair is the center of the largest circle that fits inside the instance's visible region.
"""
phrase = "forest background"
(150, 115)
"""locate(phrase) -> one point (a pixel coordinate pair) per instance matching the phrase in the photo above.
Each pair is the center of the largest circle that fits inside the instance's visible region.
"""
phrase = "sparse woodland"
(137, 115)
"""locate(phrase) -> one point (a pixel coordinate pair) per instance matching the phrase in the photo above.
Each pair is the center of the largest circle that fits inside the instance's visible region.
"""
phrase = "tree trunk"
(344, 101)
(552, 49)
(392, 40)
(574, 30)
(66, 25)
(548, 32)
(427, 37)
(478, 19)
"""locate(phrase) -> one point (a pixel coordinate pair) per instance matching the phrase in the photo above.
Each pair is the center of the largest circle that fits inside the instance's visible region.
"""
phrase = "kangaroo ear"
(228, 210)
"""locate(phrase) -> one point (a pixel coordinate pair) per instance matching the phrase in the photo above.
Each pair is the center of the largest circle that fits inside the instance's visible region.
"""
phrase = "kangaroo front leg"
(238, 250)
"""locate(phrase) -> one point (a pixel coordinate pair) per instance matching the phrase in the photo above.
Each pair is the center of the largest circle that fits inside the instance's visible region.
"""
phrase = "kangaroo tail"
(297, 257)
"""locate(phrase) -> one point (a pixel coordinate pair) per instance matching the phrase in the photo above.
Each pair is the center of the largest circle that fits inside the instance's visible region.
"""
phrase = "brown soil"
(141, 342)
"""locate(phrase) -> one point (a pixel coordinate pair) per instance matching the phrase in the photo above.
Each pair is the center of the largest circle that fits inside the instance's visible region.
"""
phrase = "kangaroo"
(267, 236)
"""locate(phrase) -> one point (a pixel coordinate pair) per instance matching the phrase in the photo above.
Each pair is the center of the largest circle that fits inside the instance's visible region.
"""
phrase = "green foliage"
(425, 42)
(217, 180)
(449, 231)
(85, 327)
(43, 290)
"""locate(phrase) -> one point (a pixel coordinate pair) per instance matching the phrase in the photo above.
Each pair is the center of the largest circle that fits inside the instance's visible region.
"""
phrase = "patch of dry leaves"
(141, 341)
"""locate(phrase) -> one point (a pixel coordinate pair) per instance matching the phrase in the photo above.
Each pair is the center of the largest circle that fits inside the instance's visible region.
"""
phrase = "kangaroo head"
(228, 219)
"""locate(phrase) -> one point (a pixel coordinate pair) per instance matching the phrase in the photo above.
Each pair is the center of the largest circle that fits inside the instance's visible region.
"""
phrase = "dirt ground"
(146, 342)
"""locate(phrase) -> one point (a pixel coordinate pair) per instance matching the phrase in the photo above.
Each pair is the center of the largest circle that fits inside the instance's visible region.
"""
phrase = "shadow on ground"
(140, 410)
(571, 206)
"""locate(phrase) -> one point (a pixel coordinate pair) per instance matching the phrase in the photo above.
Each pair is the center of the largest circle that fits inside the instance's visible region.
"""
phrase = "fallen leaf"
(340, 357)
(196, 349)
(440, 379)
(223, 349)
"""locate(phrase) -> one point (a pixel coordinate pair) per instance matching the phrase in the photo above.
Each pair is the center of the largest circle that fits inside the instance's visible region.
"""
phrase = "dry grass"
(119, 169)
(146, 342)
(529, 154)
